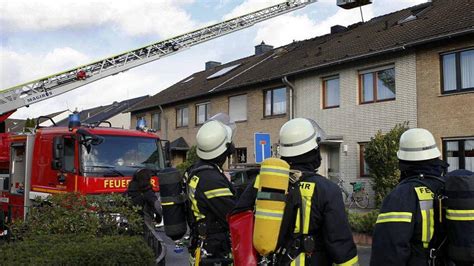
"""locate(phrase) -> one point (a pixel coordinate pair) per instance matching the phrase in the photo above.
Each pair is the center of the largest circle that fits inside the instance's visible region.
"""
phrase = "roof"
(14, 125)
(436, 20)
(179, 144)
(101, 113)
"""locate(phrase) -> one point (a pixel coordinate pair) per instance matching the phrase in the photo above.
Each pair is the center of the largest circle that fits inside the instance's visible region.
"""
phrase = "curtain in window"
(332, 92)
(469, 154)
(452, 148)
(386, 84)
(268, 102)
(238, 108)
(155, 121)
(185, 116)
(179, 116)
(279, 101)
(367, 87)
(449, 72)
(467, 69)
(201, 113)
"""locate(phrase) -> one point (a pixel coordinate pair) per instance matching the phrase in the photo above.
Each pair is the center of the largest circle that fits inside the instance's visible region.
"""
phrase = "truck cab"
(87, 160)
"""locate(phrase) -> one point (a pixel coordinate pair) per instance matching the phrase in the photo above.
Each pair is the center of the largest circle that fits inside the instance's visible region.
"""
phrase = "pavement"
(180, 259)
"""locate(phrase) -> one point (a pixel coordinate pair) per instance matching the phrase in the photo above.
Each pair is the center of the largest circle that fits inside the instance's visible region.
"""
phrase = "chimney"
(262, 48)
(212, 64)
(338, 29)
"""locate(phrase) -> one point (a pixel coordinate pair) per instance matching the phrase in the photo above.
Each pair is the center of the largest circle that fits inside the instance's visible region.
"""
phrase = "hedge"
(363, 222)
(78, 250)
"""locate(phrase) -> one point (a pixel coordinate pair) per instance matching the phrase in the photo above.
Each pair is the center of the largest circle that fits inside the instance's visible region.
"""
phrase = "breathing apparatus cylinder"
(272, 185)
(173, 201)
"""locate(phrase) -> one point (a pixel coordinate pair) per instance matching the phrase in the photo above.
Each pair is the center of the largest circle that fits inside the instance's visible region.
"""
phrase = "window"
(156, 121)
(240, 155)
(69, 147)
(223, 71)
(331, 92)
(457, 71)
(182, 117)
(238, 108)
(202, 113)
(459, 154)
(275, 102)
(377, 85)
(364, 168)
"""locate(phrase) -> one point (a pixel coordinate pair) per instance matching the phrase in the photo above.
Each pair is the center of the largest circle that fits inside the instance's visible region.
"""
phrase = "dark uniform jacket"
(211, 198)
(327, 222)
(401, 237)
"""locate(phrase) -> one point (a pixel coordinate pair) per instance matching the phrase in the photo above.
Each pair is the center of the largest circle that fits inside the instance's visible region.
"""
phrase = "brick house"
(353, 82)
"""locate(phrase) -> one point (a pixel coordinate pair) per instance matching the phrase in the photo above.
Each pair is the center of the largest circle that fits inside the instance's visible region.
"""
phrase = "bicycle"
(358, 196)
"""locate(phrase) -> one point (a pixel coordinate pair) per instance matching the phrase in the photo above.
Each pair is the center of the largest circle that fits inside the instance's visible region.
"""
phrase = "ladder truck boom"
(54, 85)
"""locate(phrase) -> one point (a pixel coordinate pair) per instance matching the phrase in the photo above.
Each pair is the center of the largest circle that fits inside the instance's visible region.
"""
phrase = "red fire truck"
(87, 159)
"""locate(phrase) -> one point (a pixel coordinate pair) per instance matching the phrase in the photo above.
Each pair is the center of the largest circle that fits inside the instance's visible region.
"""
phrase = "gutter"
(291, 86)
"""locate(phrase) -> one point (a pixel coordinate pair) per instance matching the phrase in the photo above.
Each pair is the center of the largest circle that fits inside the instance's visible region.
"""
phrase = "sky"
(42, 37)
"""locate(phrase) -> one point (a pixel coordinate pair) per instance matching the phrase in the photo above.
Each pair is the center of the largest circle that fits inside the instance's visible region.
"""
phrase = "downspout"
(292, 95)
(165, 135)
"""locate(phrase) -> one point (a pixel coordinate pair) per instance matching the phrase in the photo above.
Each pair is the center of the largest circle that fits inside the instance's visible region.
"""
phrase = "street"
(179, 259)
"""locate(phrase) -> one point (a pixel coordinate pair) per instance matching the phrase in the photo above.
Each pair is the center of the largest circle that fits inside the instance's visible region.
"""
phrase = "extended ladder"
(54, 85)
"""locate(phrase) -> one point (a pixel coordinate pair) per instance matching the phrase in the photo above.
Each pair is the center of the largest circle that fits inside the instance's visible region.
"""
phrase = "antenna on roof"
(361, 14)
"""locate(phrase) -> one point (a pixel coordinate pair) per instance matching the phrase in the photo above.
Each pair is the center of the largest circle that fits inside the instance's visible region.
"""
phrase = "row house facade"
(415, 65)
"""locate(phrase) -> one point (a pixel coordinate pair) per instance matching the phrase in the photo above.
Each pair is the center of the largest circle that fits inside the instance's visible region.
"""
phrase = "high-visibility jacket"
(405, 225)
(314, 207)
(211, 198)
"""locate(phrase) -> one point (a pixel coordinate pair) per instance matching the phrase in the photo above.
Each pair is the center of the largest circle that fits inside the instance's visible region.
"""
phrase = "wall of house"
(445, 115)
(355, 122)
(256, 122)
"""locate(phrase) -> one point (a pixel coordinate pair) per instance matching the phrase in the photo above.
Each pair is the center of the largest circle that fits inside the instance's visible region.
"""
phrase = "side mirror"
(165, 144)
(58, 153)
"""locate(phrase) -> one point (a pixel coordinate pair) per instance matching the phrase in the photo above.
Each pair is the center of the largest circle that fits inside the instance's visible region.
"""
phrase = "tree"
(381, 157)
(191, 158)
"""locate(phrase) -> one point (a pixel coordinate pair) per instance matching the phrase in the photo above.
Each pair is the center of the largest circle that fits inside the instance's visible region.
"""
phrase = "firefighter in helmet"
(210, 193)
(314, 229)
(405, 225)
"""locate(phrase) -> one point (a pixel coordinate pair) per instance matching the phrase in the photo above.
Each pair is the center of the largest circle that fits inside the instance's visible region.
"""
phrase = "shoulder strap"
(419, 180)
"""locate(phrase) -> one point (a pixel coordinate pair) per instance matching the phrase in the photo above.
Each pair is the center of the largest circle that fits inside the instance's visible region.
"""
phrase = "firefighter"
(315, 229)
(406, 221)
(210, 193)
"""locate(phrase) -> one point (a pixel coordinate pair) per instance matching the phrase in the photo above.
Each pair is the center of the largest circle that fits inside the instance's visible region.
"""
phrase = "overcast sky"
(42, 37)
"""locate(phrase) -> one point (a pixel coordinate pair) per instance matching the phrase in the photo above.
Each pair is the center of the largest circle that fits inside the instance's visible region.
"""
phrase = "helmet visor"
(225, 119)
(320, 133)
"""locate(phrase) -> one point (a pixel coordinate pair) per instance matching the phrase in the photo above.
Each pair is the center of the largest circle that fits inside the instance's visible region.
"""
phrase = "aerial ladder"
(48, 87)
(51, 86)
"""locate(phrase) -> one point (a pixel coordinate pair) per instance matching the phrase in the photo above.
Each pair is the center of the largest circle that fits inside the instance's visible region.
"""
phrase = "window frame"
(374, 72)
(265, 115)
(461, 150)
(159, 120)
(325, 79)
(457, 57)
(362, 161)
(206, 114)
(177, 111)
(246, 107)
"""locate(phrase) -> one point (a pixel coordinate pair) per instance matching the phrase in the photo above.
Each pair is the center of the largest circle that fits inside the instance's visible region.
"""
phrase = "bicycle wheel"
(361, 199)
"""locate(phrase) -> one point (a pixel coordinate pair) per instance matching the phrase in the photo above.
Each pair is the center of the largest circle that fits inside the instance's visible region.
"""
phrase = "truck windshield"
(121, 156)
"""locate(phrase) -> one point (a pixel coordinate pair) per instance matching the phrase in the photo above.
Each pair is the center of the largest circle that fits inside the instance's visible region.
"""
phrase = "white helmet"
(213, 137)
(417, 144)
(299, 136)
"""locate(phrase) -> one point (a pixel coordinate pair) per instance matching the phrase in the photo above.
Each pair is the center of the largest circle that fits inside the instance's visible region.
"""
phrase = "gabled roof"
(14, 125)
(101, 113)
(179, 144)
(436, 20)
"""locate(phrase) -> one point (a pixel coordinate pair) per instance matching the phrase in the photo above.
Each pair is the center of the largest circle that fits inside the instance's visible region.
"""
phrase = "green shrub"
(381, 157)
(363, 222)
(80, 249)
(191, 158)
(73, 213)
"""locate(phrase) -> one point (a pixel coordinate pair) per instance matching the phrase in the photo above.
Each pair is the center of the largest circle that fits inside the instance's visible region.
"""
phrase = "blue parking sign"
(263, 147)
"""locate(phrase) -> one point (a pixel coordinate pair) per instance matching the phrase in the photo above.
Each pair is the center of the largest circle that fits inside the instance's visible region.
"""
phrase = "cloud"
(164, 17)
